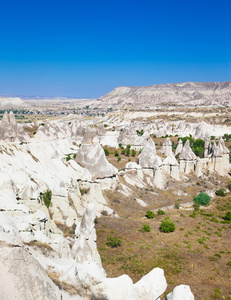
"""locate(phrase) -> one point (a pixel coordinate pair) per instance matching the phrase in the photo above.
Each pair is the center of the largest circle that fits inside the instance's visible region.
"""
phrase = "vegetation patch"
(167, 225)
(202, 199)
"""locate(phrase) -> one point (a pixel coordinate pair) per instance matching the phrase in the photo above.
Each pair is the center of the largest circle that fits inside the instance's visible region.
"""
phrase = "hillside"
(188, 93)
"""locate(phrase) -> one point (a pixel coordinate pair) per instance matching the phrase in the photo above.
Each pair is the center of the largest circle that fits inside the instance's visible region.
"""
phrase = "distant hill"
(187, 93)
(11, 102)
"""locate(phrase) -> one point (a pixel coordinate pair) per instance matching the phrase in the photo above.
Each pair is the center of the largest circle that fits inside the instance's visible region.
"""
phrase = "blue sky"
(87, 48)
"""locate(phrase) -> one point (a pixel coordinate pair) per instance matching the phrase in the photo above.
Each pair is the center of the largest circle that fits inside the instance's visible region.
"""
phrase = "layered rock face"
(192, 93)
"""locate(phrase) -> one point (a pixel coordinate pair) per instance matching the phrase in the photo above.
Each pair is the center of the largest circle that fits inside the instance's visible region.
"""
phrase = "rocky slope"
(60, 237)
(188, 93)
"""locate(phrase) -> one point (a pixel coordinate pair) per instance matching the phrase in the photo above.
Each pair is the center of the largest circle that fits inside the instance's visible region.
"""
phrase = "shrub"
(116, 153)
(221, 192)
(141, 150)
(229, 185)
(202, 199)
(105, 125)
(167, 225)
(128, 150)
(113, 242)
(68, 157)
(160, 212)
(196, 206)
(83, 191)
(120, 145)
(123, 151)
(177, 205)
(227, 216)
(140, 133)
(106, 151)
(146, 228)
(119, 159)
(46, 197)
(150, 214)
(133, 153)
(104, 213)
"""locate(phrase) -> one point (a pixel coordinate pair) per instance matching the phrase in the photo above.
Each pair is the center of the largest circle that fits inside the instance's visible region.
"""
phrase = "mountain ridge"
(197, 93)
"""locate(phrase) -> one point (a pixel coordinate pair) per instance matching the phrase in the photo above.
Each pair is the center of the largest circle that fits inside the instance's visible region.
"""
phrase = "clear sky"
(87, 48)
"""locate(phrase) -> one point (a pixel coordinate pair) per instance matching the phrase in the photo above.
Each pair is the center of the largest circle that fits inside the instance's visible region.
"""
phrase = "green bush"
(202, 199)
(167, 225)
(146, 228)
(46, 197)
(106, 151)
(128, 150)
(119, 159)
(123, 151)
(68, 157)
(227, 216)
(133, 153)
(221, 192)
(116, 153)
(150, 214)
(113, 242)
(160, 212)
(140, 133)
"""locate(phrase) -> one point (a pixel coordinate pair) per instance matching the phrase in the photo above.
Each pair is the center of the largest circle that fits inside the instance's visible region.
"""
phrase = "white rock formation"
(21, 276)
(167, 146)
(92, 157)
(170, 166)
(179, 147)
(152, 285)
(10, 131)
(180, 292)
(187, 159)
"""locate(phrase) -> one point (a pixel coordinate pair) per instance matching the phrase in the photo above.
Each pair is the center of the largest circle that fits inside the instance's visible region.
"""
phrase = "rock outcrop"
(21, 276)
(10, 131)
(92, 157)
(167, 146)
(180, 292)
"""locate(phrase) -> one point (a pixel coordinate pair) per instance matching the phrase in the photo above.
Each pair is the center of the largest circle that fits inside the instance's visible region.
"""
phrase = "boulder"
(152, 285)
(180, 292)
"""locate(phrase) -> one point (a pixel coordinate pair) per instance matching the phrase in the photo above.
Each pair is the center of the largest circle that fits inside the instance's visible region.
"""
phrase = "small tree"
(116, 153)
(146, 228)
(128, 151)
(167, 225)
(227, 216)
(106, 151)
(46, 197)
(113, 242)
(150, 214)
(202, 199)
(221, 192)
(133, 153)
